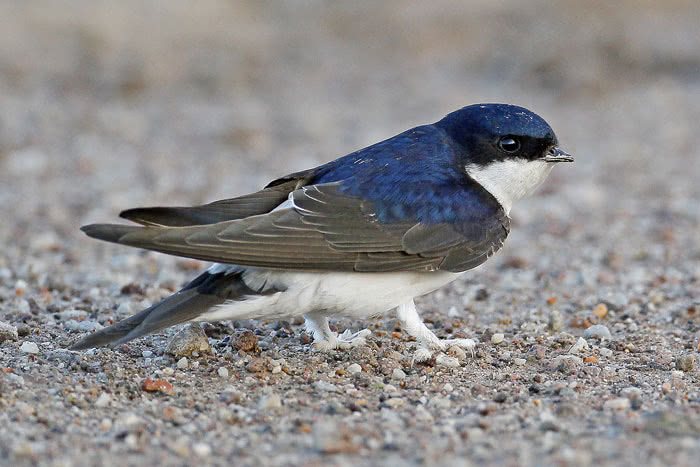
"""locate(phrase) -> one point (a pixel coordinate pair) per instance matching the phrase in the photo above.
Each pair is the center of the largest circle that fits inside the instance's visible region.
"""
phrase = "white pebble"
(519, 361)
(597, 330)
(29, 347)
(325, 386)
(580, 346)
(167, 371)
(182, 363)
(270, 401)
(444, 360)
(124, 310)
(497, 338)
(103, 400)
(146, 354)
(606, 352)
(354, 368)
(201, 449)
(398, 374)
(223, 372)
(23, 306)
(448, 387)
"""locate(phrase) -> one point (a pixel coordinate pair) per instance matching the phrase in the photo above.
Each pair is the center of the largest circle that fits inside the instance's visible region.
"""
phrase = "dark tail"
(197, 297)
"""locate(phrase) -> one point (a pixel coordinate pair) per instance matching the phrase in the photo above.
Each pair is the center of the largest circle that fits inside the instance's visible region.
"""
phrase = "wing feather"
(321, 229)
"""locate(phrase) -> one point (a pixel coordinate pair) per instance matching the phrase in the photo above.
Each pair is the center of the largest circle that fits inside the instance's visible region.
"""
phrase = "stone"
(189, 340)
(556, 321)
(497, 338)
(102, 400)
(580, 346)
(598, 331)
(7, 332)
(246, 341)
(447, 361)
(685, 363)
(201, 449)
(29, 347)
(270, 401)
(325, 386)
(619, 403)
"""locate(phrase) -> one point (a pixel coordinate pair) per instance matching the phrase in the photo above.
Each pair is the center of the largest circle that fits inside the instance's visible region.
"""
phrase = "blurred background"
(110, 105)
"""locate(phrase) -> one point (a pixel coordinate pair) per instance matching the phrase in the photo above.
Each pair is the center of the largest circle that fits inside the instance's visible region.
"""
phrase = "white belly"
(357, 295)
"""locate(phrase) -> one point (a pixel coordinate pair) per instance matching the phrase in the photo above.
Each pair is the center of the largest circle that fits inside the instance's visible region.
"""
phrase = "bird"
(356, 237)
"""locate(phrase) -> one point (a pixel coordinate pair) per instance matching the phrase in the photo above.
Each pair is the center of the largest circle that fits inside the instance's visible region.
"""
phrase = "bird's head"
(507, 149)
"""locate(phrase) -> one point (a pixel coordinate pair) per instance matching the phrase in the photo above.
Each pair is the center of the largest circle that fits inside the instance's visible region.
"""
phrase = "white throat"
(510, 180)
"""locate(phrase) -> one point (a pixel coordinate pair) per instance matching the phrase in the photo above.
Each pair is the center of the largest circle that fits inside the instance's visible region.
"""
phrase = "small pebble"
(598, 331)
(398, 374)
(580, 346)
(7, 332)
(448, 387)
(189, 340)
(325, 386)
(182, 363)
(124, 310)
(106, 424)
(354, 369)
(685, 362)
(619, 403)
(102, 400)
(167, 371)
(519, 361)
(631, 392)
(556, 322)
(245, 340)
(270, 401)
(457, 352)
(444, 360)
(395, 402)
(155, 385)
(600, 310)
(497, 338)
(29, 347)
(146, 354)
(223, 372)
(606, 352)
(201, 449)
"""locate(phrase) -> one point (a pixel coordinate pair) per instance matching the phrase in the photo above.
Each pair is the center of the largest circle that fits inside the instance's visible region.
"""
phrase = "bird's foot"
(344, 341)
(426, 351)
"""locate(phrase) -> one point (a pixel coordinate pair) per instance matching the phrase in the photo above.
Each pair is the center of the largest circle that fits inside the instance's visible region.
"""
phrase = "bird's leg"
(325, 339)
(428, 342)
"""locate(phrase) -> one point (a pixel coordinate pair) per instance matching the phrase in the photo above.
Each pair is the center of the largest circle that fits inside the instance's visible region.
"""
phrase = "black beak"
(558, 155)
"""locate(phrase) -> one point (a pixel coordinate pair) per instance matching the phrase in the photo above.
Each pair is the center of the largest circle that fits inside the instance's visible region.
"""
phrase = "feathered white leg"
(428, 342)
(326, 340)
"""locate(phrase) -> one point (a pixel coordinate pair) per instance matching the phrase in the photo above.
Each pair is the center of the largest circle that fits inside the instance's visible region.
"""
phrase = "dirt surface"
(106, 106)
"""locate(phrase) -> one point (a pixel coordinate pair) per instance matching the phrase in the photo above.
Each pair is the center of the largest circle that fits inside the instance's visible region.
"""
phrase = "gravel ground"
(587, 323)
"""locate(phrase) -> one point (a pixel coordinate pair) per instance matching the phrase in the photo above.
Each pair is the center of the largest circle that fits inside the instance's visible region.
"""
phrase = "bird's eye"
(509, 144)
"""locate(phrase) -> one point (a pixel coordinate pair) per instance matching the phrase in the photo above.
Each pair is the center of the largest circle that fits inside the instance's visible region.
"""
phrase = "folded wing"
(319, 229)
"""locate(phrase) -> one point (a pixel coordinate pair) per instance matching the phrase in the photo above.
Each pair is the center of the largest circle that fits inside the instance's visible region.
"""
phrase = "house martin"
(356, 237)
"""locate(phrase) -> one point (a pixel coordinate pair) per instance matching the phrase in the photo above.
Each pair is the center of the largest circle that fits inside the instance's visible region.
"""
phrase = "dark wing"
(325, 230)
(260, 202)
